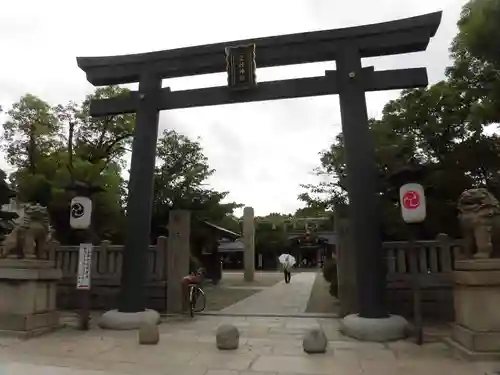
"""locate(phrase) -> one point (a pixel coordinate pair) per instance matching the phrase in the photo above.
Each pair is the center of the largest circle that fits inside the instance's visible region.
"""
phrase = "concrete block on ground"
(315, 341)
(149, 334)
(227, 337)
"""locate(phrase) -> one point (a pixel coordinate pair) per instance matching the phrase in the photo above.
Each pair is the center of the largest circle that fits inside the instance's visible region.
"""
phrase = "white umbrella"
(286, 260)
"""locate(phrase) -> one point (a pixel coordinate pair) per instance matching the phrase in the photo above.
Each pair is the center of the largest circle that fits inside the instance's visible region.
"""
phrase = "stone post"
(476, 332)
(249, 243)
(162, 248)
(178, 251)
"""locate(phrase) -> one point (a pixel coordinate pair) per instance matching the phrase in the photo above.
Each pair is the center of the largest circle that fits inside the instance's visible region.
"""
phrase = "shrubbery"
(330, 270)
(330, 275)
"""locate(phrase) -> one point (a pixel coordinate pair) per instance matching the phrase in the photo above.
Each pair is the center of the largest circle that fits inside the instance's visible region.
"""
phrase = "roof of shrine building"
(222, 232)
(225, 233)
(227, 246)
(328, 237)
(231, 246)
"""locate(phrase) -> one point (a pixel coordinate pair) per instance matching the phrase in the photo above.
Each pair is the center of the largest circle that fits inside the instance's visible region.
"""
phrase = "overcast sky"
(262, 152)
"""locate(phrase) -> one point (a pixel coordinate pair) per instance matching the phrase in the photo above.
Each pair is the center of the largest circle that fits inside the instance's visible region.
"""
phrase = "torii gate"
(350, 80)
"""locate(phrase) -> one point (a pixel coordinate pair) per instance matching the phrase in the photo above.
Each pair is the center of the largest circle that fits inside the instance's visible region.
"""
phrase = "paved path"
(268, 346)
(280, 299)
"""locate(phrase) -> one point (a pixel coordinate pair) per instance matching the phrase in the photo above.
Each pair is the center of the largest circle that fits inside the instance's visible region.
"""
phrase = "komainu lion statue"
(28, 238)
(479, 216)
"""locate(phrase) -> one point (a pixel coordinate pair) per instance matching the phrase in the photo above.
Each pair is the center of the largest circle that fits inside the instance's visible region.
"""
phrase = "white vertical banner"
(84, 266)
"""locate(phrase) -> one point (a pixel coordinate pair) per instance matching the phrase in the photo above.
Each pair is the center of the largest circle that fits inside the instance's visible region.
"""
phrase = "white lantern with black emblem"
(80, 212)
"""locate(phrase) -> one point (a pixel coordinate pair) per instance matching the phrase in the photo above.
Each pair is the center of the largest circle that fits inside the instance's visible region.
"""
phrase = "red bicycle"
(197, 299)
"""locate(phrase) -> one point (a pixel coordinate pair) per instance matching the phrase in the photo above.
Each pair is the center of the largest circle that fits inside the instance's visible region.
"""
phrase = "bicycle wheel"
(192, 300)
(200, 300)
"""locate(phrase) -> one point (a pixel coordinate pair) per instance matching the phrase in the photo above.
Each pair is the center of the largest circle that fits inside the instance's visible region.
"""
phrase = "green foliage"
(330, 275)
(270, 233)
(105, 139)
(476, 61)
(312, 212)
(269, 239)
(6, 218)
(330, 270)
(442, 127)
(30, 133)
(480, 31)
(5, 191)
(52, 147)
(181, 172)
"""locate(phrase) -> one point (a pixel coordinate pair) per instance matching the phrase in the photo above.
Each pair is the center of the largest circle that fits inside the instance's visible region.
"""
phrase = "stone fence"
(434, 261)
(106, 274)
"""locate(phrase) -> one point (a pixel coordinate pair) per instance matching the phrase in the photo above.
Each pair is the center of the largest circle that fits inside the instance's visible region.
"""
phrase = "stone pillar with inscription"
(476, 331)
(178, 251)
(28, 290)
(249, 243)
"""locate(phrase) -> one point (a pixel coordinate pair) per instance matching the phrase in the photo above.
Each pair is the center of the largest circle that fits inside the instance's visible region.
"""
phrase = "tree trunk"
(31, 150)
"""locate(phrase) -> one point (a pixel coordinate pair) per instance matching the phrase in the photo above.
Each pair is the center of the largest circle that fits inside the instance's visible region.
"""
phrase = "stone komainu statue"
(479, 215)
(28, 238)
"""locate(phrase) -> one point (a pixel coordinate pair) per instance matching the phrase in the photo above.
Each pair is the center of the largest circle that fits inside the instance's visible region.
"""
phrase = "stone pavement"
(280, 299)
(268, 346)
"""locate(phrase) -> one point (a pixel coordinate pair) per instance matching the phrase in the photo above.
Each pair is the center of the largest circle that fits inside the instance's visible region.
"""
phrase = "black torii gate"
(346, 46)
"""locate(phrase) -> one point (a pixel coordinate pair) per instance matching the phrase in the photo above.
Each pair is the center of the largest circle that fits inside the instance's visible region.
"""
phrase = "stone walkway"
(280, 299)
(268, 346)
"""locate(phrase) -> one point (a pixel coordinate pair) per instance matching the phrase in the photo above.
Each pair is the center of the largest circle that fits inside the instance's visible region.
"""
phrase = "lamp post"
(413, 212)
(81, 221)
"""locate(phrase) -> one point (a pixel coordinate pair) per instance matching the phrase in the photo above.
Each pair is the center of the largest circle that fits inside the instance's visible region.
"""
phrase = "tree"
(270, 236)
(312, 212)
(476, 60)
(103, 140)
(479, 30)
(441, 127)
(30, 133)
(180, 178)
(31, 137)
(93, 154)
(51, 147)
(6, 218)
(432, 126)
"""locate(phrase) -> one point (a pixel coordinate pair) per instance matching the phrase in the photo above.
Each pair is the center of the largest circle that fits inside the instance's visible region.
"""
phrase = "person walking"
(287, 272)
(287, 261)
